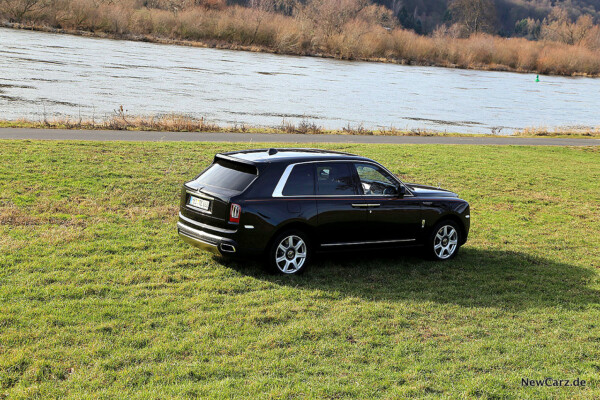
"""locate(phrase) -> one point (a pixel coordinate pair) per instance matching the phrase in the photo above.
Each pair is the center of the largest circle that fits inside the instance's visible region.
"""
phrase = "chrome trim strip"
(365, 205)
(198, 193)
(286, 174)
(201, 225)
(278, 192)
(373, 242)
(186, 234)
(198, 234)
(183, 233)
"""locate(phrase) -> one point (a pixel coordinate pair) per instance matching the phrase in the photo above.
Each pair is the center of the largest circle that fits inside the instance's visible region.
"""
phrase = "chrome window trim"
(278, 191)
(371, 242)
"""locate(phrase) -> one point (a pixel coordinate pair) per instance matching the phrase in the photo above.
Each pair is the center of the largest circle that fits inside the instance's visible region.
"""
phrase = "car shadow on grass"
(475, 278)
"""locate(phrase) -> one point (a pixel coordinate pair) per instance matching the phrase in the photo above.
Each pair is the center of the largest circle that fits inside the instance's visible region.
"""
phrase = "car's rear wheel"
(443, 241)
(289, 253)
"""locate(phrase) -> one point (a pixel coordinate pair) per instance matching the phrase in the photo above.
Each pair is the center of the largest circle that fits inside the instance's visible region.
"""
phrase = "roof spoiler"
(236, 163)
(226, 157)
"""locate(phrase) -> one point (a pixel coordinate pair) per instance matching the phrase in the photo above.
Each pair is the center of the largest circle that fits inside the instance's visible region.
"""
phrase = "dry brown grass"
(352, 29)
(168, 123)
(554, 132)
(346, 29)
(182, 123)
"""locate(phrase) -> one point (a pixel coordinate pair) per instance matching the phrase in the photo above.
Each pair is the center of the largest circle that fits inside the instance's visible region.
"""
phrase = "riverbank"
(177, 123)
(238, 28)
(282, 139)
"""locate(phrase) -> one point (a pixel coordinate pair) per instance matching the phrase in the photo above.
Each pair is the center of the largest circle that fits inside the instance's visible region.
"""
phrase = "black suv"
(286, 204)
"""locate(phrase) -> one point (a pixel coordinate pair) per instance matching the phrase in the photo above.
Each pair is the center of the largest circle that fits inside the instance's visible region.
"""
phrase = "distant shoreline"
(224, 45)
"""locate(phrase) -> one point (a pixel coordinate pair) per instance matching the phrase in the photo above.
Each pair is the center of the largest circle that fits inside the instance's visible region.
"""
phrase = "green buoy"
(537, 78)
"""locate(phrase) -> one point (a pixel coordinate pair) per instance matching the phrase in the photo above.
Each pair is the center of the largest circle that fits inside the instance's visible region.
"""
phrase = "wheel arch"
(297, 225)
(456, 219)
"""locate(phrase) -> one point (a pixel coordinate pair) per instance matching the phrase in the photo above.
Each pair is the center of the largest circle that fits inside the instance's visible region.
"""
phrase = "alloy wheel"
(290, 254)
(445, 242)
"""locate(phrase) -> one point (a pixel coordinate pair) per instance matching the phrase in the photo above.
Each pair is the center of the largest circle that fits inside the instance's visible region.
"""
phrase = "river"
(45, 75)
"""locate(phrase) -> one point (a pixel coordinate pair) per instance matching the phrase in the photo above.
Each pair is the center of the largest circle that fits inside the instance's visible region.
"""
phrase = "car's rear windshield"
(228, 175)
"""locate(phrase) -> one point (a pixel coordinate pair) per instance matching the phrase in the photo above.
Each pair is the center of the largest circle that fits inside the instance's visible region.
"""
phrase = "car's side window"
(334, 179)
(301, 181)
(374, 181)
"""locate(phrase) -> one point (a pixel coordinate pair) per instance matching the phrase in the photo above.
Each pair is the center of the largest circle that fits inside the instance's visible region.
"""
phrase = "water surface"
(52, 75)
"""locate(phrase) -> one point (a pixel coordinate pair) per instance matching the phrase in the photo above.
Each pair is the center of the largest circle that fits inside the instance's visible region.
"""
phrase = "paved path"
(70, 134)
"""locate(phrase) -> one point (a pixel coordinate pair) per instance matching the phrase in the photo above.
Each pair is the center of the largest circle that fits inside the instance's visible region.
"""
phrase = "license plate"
(199, 203)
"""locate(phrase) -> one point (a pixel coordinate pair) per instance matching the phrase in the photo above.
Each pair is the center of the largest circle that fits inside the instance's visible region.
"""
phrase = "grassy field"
(100, 299)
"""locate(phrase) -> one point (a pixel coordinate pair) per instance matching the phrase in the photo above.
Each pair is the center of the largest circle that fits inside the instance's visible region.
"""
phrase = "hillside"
(425, 15)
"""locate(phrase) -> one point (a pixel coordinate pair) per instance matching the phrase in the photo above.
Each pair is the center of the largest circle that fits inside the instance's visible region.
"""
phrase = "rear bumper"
(206, 241)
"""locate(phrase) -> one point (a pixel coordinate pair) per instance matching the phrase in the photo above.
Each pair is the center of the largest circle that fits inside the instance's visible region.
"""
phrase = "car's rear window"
(228, 175)
(301, 181)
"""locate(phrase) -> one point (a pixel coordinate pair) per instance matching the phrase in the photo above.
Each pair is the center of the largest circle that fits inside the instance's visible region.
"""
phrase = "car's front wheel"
(289, 253)
(443, 242)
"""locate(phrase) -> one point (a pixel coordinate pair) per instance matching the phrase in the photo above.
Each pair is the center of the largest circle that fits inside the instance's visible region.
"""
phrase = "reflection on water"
(44, 74)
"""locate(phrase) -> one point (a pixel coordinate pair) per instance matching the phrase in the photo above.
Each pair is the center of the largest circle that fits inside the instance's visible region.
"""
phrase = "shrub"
(349, 29)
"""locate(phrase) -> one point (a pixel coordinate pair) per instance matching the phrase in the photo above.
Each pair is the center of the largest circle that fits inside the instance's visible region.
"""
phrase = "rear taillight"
(234, 213)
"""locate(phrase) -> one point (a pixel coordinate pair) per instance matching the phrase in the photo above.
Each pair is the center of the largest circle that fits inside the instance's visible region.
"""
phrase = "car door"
(342, 213)
(392, 216)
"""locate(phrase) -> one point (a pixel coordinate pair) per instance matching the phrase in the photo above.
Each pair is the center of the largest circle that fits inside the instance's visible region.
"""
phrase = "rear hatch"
(208, 198)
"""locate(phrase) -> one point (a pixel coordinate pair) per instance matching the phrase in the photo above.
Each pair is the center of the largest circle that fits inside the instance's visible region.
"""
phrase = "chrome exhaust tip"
(227, 248)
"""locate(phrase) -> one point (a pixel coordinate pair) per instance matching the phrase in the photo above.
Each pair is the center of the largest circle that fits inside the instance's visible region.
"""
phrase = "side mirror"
(401, 191)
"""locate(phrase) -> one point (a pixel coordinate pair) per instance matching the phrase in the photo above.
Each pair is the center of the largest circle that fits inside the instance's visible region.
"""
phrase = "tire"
(443, 241)
(289, 258)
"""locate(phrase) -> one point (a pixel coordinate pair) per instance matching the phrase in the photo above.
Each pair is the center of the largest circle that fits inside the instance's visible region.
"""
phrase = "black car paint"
(329, 221)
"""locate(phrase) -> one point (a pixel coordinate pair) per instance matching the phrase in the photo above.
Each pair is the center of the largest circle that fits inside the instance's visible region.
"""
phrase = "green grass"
(100, 299)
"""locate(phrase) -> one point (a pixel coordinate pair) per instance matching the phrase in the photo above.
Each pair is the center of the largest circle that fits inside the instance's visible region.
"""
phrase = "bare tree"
(558, 27)
(331, 15)
(476, 15)
(285, 7)
(16, 10)
(396, 6)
